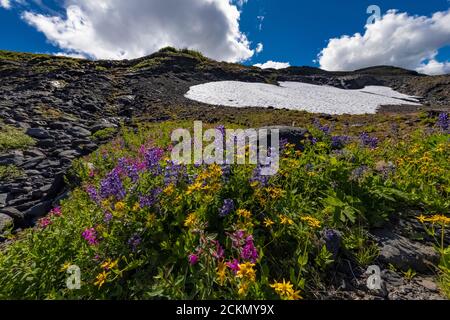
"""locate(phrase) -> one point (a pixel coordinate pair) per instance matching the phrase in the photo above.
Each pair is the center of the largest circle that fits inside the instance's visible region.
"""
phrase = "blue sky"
(291, 31)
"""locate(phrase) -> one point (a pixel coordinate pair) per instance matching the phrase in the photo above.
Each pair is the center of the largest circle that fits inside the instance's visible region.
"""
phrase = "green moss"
(10, 172)
(12, 138)
(149, 63)
(105, 134)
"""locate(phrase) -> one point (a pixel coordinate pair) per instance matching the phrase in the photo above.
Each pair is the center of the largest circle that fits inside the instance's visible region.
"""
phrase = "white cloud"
(273, 65)
(5, 4)
(259, 48)
(434, 67)
(397, 39)
(116, 29)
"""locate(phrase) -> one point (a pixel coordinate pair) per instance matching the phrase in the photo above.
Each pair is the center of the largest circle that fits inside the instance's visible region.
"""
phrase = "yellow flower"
(194, 187)
(247, 272)
(286, 221)
(286, 290)
(282, 288)
(136, 207)
(65, 267)
(109, 264)
(439, 218)
(150, 220)
(312, 222)
(191, 220)
(243, 288)
(294, 295)
(222, 273)
(422, 218)
(275, 193)
(120, 206)
(101, 279)
(268, 222)
(169, 190)
(244, 213)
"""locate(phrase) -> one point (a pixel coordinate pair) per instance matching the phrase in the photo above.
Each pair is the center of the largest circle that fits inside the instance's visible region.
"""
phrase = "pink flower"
(56, 212)
(220, 252)
(90, 235)
(234, 265)
(193, 259)
(45, 222)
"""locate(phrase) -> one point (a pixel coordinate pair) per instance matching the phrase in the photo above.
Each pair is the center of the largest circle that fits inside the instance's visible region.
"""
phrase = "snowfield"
(298, 96)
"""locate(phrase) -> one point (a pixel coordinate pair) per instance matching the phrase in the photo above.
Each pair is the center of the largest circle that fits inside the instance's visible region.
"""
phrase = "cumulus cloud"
(434, 67)
(273, 65)
(398, 39)
(117, 29)
(5, 4)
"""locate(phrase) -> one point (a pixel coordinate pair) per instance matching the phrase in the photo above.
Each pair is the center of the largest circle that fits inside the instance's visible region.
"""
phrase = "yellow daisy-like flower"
(109, 264)
(136, 207)
(119, 206)
(194, 187)
(222, 273)
(422, 218)
(191, 220)
(294, 295)
(244, 213)
(247, 272)
(65, 267)
(169, 190)
(243, 288)
(312, 222)
(286, 290)
(283, 288)
(439, 218)
(268, 222)
(284, 220)
(101, 279)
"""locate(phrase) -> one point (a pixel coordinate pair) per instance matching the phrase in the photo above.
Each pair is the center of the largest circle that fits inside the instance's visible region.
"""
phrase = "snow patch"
(299, 96)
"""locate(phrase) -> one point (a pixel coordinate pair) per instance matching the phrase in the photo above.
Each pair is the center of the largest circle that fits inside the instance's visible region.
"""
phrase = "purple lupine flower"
(174, 173)
(338, 142)
(234, 266)
(368, 141)
(107, 217)
(90, 235)
(93, 194)
(443, 122)
(153, 157)
(148, 201)
(325, 129)
(228, 206)
(128, 168)
(134, 242)
(258, 177)
(193, 259)
(249, 251)
(112, 186)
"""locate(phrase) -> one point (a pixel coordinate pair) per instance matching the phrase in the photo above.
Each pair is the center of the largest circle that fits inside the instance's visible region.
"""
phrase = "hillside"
(67, 124)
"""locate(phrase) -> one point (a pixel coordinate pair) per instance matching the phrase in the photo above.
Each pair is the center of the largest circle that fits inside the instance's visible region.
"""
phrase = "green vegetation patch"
(104, 134)
(10, 172)
(12, 138)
